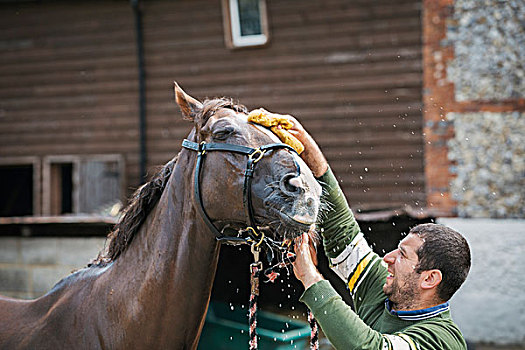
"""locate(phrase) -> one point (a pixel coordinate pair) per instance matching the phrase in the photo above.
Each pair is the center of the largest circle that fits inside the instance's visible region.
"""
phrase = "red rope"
(255, 269)
(314, 334)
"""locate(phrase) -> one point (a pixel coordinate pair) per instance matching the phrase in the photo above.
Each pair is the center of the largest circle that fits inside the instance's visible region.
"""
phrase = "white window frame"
(232, 26)
(76, 160)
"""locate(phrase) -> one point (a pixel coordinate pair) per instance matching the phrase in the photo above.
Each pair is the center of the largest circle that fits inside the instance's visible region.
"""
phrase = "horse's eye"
(223, 133)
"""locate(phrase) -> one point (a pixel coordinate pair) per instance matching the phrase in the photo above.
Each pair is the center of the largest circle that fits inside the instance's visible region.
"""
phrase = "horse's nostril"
(311, 206)
(290, 184)
(310, 202)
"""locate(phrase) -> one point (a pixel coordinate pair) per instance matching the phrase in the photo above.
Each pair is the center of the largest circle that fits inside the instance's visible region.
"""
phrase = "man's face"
(402, 282)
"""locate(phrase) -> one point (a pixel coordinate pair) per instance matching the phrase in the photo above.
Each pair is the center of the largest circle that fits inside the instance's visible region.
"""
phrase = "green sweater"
(373, 325)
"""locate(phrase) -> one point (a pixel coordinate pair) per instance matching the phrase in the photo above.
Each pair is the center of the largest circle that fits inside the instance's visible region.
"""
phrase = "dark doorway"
(61, 188)
(16, 190)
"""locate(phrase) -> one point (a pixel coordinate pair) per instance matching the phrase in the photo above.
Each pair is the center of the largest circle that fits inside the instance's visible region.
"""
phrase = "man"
(401, 301)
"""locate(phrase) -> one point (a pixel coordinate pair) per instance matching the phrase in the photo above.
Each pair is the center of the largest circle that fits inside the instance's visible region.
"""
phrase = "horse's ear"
(189, 106)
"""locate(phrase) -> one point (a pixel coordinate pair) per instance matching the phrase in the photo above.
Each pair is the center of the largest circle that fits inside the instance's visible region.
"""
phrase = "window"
(245, 23)
(81, 184)
(60, 185)
(19, 186)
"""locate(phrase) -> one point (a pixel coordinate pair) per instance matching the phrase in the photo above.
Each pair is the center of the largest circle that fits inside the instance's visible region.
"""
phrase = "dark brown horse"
(151, 287)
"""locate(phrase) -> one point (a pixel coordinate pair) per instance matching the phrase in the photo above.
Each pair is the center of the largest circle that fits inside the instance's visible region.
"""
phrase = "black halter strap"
(254, 155)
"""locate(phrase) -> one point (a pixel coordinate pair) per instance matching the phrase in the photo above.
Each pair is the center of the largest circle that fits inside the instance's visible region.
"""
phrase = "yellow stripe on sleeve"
(409, 341)
(359, 270)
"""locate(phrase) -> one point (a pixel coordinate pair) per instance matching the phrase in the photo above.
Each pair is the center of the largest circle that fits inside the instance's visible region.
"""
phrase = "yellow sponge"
(279, 127)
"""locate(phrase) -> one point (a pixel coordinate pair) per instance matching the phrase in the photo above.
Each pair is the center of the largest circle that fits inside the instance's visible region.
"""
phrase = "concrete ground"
(325, 345)
(498, 347)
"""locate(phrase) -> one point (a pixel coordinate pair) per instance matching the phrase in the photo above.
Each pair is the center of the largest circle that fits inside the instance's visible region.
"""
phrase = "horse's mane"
(146, 196)
(133, 215)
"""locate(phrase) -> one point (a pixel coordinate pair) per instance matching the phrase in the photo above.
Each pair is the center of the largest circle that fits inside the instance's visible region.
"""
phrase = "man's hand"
(312, 155)
(304, 264)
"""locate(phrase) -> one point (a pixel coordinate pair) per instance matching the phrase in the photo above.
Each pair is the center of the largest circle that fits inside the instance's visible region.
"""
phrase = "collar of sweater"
(414, 315)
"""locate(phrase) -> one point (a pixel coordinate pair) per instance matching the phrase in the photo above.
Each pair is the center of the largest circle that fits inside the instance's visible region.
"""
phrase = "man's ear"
(189, 106)
(431, 279)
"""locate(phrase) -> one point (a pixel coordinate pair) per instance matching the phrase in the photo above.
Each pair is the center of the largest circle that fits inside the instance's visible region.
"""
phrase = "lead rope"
(272, 274)
(314, 333)
(255, 271)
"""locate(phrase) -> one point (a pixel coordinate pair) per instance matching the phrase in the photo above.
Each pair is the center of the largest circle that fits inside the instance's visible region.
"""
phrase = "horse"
(150, 286)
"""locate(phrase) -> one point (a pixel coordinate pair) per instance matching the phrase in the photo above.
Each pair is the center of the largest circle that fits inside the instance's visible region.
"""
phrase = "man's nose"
(390, 257)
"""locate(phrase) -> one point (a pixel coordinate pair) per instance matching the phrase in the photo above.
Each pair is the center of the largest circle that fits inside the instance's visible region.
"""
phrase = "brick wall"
(473, 65)
(29, 267)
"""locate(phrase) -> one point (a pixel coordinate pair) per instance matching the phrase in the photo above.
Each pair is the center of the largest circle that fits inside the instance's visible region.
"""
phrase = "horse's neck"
(170, 266)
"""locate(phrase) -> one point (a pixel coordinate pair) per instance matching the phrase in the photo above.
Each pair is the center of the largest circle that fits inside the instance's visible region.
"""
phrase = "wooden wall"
(68, 80)
(349, 69)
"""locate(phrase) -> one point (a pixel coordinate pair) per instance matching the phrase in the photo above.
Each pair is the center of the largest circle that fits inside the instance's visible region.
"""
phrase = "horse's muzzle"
(304, 197)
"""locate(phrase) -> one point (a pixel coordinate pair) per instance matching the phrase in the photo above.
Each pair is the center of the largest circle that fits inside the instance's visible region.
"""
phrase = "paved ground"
(325, 345)
(499, 347)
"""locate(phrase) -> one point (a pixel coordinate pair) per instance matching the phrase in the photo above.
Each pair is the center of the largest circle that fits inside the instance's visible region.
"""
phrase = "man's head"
(428, 267)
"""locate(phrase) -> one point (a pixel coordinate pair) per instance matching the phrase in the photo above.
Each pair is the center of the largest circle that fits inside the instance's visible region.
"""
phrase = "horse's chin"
(289, 226)
(295, 223)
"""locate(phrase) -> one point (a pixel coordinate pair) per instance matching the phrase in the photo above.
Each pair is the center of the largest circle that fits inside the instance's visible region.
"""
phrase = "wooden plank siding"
(68, 81)
(350, 70)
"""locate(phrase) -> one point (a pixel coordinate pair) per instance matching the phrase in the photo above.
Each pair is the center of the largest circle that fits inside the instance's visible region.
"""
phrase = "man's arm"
(349, 253)
(351, 258)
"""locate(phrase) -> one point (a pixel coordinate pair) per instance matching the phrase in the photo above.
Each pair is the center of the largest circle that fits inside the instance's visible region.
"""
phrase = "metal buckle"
(255, 251)
(259, 154)
(201, 147)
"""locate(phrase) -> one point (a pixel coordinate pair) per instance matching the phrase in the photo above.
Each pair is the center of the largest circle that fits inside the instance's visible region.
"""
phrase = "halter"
(254, 156)
(255, 236)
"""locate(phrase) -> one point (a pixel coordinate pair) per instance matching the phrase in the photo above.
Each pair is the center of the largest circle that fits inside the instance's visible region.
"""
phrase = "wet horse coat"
(150, 289)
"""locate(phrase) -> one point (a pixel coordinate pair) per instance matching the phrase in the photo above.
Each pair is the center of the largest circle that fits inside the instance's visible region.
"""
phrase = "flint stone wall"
(489, 46)
(488, 150)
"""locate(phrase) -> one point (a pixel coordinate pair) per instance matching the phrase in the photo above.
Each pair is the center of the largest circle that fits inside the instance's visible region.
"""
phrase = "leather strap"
(201, 149)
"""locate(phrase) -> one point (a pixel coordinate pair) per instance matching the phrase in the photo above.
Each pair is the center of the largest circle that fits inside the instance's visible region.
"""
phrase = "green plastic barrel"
(227, 329)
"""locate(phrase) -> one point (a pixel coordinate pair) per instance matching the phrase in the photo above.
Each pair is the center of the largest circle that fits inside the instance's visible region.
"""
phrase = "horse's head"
(283, 192)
